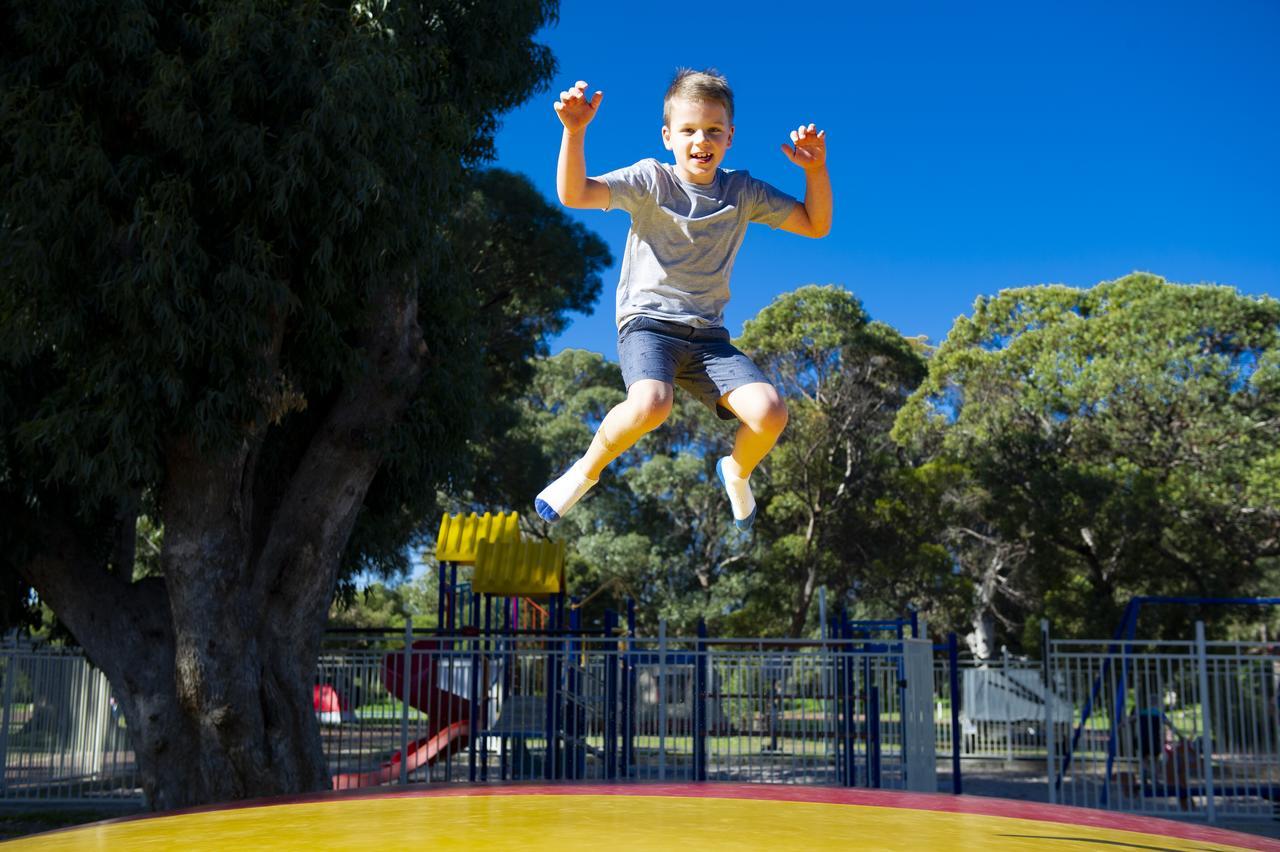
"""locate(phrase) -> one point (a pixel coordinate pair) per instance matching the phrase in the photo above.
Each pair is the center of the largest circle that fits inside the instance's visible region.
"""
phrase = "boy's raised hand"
(574, 110)
(810, 151)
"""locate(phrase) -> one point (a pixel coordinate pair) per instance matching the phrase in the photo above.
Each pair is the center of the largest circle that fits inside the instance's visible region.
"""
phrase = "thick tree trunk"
(213, 664)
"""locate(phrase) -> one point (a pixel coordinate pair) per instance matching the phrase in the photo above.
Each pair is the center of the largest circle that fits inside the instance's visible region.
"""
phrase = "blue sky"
(972, 147)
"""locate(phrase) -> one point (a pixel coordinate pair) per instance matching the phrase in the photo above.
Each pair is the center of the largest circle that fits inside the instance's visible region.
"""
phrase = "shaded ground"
(21, 820)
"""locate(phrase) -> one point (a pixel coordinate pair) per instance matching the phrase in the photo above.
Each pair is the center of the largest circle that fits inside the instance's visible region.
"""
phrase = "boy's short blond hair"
(708, 85)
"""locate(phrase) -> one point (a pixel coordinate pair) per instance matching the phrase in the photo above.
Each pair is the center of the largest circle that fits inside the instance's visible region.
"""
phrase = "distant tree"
(1118, 440)
(387, 605)
(843, 507)
(231, 303)
(657, 528)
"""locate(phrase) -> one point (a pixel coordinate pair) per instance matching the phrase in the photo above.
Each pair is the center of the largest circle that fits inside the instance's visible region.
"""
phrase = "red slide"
(447, 718)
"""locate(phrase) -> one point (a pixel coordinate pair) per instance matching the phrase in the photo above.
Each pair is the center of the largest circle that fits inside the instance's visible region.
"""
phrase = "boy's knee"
(773, 415)
(777, 415)
(651, 402)
(762, 408)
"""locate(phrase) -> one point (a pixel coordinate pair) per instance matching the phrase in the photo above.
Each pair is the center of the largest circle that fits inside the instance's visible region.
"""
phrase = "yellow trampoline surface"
(616, 818)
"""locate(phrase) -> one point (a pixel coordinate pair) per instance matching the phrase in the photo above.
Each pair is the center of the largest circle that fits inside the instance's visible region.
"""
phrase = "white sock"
(558, 497)
(741, 500)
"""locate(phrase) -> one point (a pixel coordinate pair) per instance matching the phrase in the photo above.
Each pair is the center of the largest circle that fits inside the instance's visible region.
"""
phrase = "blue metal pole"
(453, 597)
(867, 690)
(953, 667)
(440, 600)
(873, 718)
(611, 697)
(700, 705)
(629, 693)
(572, 715)
(488, 647)
(552, 690)
(508, 654)
(473, 701)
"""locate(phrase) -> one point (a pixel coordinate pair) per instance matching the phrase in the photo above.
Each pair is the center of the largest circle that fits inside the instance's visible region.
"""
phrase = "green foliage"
(844, 508)
(656, 527)
(382, 605)
(839, 504)
(1119, 436)
(220, 188)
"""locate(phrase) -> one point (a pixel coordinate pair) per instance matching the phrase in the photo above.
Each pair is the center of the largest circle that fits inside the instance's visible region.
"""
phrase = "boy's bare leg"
(763, 414)
(646, 408)
(647, 405)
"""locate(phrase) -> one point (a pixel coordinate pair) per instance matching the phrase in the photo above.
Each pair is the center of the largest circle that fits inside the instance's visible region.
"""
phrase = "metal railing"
(1173, 728)
(480, 708)
(1002, 713)
(62, 737)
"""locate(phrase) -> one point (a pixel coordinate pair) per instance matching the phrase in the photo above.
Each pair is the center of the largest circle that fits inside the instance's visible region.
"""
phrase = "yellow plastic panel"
(456, 541)
(519, 568)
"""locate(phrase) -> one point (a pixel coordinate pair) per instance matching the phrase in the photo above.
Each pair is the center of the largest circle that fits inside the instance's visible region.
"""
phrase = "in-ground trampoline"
(640, 816)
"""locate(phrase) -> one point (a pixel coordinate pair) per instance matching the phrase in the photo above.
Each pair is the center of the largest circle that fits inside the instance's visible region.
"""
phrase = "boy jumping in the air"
(687, 222)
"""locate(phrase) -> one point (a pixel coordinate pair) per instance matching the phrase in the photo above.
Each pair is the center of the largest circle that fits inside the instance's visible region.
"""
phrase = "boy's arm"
(572, 184)
(813, 217)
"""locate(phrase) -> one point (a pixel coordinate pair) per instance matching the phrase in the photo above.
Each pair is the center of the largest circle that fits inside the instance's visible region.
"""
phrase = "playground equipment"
(331, 706)
(516, 688)
(420, 686)
(442, 686)
(1167, 767)
(704, 816)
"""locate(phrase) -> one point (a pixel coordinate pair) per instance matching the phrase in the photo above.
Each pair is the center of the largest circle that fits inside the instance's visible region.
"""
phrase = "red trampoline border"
(940, 802)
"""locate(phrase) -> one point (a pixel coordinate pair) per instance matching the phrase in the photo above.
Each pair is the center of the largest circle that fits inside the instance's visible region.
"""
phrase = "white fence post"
(917, 717)
(1206, 734)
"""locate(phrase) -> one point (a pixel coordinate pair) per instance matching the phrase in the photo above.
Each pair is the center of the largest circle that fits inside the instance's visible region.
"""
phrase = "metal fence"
(1172, 728)
(62, 738)
(401, 709)
(1002, 711)
(1188, 729)
(535, 709)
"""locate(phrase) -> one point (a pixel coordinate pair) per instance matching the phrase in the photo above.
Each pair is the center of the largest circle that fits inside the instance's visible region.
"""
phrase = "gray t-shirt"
(684, 237)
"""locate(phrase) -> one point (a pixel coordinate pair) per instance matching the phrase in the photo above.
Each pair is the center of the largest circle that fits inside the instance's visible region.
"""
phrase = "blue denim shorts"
(700, 360)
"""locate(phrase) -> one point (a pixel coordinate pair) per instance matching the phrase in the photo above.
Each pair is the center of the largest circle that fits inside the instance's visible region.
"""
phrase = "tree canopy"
(838, 498)
(237, 245)
(1116, 440)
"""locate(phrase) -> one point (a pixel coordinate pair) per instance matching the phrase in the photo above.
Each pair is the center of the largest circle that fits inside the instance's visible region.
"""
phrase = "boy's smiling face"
(699, 134)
